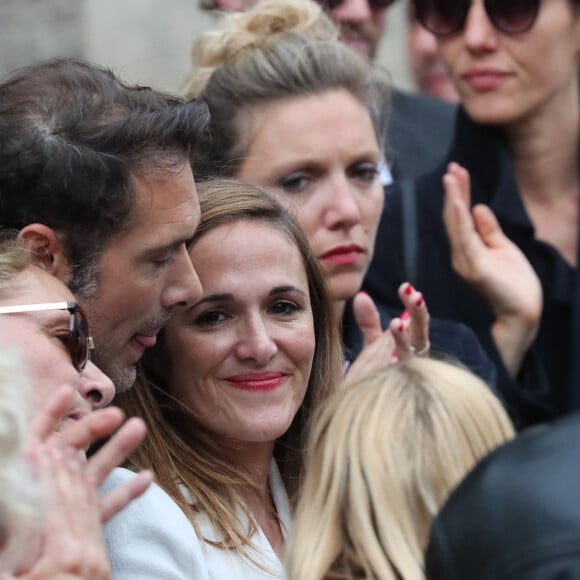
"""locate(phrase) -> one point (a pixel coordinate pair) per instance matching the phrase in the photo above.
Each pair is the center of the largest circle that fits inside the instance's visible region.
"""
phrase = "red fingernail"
(401, 328)
(405, 315)
(408, 289)
(419, 301)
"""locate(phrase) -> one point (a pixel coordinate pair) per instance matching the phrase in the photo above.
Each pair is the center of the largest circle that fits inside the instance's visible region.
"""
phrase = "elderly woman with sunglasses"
(51, 513)
(503, 258)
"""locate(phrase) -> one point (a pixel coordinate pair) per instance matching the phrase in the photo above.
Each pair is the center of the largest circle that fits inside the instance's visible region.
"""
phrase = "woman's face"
(505, 79)
(320, 154)
(46, 359)
(242, 354)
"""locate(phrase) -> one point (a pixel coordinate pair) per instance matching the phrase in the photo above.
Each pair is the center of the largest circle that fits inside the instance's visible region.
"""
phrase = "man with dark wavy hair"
(96, 181)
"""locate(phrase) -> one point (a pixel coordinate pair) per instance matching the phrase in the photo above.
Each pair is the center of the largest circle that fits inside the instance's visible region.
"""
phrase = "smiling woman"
(226, 394)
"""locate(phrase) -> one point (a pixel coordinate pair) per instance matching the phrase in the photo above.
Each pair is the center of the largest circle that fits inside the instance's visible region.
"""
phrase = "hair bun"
(255, 30)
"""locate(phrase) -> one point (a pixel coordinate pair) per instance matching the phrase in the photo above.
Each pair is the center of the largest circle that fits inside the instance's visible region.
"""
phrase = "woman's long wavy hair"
(384, 455)
(177, 448)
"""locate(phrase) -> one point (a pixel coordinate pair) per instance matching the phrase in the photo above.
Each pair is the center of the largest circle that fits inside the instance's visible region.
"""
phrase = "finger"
(367, 317)
(115, 501)
(488, 227)
(463, 180)
(48, 419)
(90, 428)
(114, 452)
(418, 313)
(400, 331)
(456, 214)
(372, 357)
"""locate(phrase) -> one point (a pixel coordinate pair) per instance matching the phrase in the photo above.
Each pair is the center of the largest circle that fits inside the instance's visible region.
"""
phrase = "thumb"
(487, 226)
(367, 317)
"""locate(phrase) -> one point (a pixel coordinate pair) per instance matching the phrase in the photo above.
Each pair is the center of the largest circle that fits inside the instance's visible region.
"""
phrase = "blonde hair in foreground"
(384, 455)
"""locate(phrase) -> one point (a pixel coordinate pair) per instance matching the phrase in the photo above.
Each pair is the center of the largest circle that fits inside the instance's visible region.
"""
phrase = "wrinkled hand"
(490, 262)
(72, 540)
(71, 543)
(82, 433)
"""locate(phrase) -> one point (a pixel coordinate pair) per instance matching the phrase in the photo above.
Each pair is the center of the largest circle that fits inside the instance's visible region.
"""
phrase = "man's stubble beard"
(123, 377)
(84, 284)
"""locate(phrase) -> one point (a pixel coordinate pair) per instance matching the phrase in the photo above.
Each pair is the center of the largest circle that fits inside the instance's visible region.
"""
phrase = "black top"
(419, 133)
(516, 516)
(549, 382)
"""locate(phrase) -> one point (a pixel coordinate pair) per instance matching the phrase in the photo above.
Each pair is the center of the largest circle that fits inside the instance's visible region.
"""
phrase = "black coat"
(420, 131)
(548, 384)
(516, 516)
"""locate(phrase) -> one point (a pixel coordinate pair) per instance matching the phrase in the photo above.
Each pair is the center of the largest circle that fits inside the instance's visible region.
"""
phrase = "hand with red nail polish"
(417, 314)
(379, 345)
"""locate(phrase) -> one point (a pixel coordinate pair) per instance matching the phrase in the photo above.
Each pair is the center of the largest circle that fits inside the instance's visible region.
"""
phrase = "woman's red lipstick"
(343, 255)
(257, 381)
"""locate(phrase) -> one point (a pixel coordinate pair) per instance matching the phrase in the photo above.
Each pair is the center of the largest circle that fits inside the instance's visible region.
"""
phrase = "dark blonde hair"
(177, 447)
(277, 50)
(384, 455)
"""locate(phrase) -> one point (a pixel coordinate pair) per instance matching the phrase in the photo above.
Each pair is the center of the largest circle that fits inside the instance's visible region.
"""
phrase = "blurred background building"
(145, 41)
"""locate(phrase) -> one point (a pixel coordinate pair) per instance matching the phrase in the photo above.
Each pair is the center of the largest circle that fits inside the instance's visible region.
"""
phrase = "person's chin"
(490, 111)
(345, 287)
(120, 368)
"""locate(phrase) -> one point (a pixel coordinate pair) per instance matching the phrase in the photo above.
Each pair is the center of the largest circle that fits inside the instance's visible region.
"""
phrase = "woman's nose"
(342, 209)
(256, 343)
(96, 387)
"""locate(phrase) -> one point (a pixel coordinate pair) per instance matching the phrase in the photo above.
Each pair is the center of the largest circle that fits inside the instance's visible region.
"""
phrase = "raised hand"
(80, 434)
(411, 329)
(490, 262)
(406, 336)
(378, 344)
(69, 542)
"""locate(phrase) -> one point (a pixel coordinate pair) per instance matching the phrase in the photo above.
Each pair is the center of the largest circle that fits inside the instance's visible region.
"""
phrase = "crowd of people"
(295, 324)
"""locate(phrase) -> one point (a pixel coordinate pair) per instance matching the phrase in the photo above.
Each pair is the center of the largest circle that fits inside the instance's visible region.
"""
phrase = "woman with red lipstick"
(226, 396)
(306, 119)
(504, 258)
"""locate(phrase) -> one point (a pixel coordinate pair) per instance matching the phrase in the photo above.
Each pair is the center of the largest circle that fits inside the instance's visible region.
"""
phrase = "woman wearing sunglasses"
(504, 257)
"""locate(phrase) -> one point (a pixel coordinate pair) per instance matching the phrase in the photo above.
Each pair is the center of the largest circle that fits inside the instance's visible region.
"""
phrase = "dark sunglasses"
(78, 342)
(447, 17)
(376, 4)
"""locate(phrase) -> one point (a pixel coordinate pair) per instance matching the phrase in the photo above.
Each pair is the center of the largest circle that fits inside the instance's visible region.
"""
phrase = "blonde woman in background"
(297, 111)
(385, 454)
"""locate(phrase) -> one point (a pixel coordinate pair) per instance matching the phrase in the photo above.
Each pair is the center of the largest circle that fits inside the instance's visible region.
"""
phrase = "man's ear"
(47, 249)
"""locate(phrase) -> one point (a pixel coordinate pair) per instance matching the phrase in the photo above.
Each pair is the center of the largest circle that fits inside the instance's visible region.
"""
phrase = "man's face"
(145, 272)
(361, 25)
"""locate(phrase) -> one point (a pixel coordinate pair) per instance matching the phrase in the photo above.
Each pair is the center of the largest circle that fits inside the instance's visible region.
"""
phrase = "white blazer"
(152, 539)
